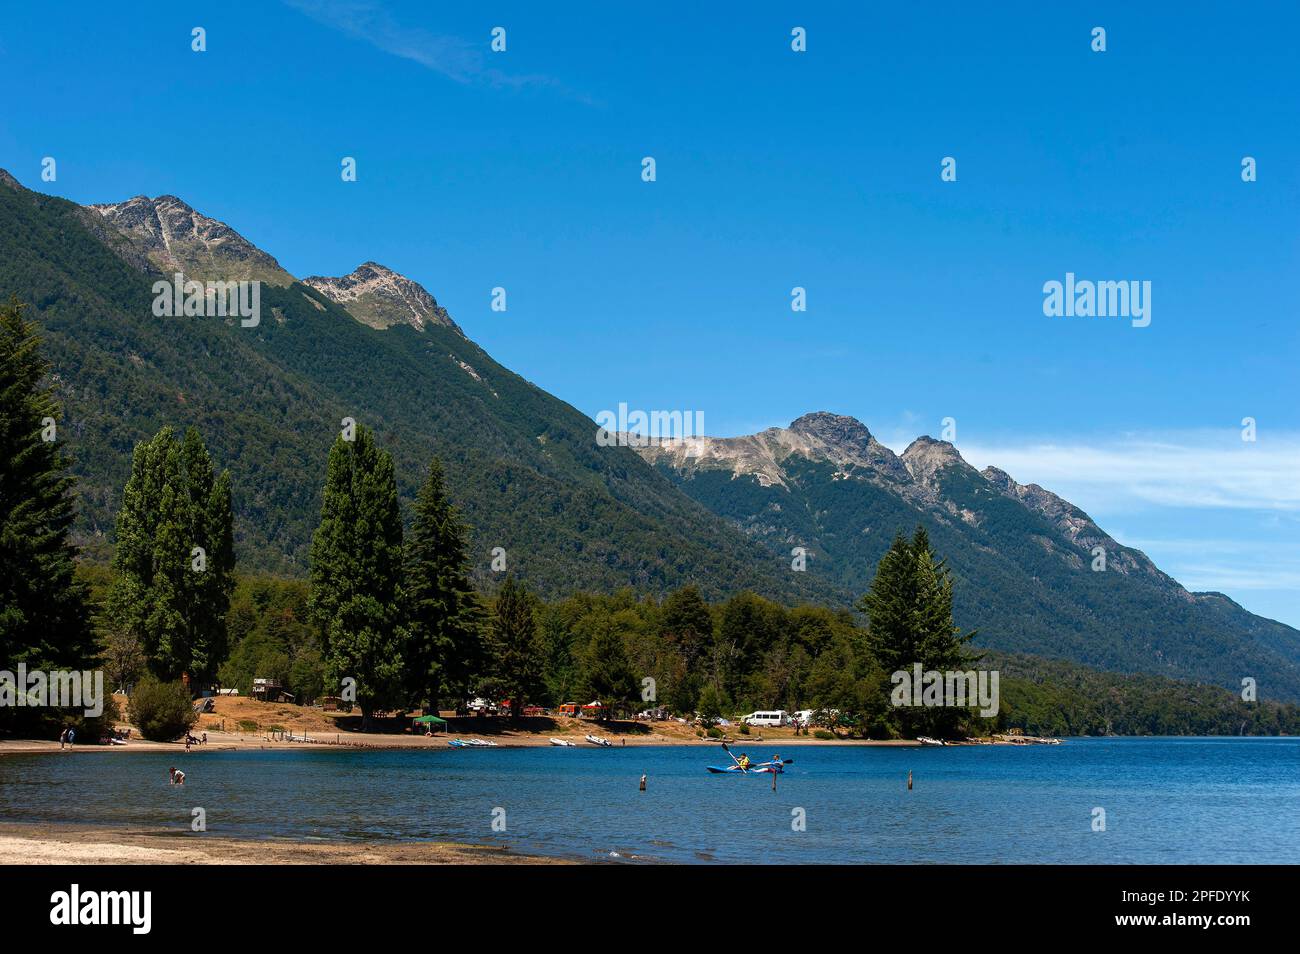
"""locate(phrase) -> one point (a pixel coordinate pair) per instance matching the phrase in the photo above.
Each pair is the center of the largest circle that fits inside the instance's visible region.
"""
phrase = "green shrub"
(744, 728)
(715, 732)
(162, 711)
(823, 734)
(247, 725)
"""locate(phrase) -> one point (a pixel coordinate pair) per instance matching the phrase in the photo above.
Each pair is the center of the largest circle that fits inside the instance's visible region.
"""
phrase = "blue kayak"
(757, 768)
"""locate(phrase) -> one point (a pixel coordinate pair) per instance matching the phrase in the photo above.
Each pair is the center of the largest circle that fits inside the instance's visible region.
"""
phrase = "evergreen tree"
(517, 652)
(356, 570)
(444, 615)
(608, 675)
(44, 615)
(909, 614)
(211, 527)
(559, 668)
(175, 558)
(688, 624)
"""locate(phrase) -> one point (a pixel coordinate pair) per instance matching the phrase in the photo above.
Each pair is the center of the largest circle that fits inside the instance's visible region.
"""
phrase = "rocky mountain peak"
(380, 297)
(10, 181)
(837, 430)
(926, 456)
(175, 237)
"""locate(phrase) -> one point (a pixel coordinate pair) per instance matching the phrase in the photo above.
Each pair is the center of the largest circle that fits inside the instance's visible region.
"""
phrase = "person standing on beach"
(72, 734)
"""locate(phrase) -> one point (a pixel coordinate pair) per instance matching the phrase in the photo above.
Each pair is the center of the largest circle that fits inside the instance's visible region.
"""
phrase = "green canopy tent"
(432, 721)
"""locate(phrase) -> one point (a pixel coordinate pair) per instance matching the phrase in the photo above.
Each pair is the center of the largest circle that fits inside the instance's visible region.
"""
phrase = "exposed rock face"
(1075, 525)
(918, 477)
(821, 436)
(847, 442)
(176, 238)
(380, 297)
(925, 458)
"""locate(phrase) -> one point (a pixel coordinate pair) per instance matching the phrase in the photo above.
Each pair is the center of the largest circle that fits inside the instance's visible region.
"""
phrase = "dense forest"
(528, 478)
(268, 402)
(390, 610)
(804, 662)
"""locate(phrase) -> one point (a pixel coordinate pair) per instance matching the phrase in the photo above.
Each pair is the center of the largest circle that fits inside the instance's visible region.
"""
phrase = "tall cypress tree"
(175, 557)
(517, 652)
(356, 570)
(444, 615)
(44, 617)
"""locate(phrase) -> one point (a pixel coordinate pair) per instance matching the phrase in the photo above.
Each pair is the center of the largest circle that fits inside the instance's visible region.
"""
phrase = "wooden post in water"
(643, 781)
(909, 780)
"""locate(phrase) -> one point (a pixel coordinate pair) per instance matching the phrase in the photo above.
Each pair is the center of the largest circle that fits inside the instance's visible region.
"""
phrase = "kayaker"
(743, 761)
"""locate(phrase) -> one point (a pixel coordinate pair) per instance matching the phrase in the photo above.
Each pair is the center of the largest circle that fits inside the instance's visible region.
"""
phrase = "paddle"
(727, 749)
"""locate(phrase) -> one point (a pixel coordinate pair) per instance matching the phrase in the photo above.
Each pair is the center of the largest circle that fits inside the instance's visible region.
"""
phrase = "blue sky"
(775, 169)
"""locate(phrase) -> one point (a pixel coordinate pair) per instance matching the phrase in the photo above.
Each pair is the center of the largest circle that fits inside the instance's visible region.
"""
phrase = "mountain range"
(721, 513)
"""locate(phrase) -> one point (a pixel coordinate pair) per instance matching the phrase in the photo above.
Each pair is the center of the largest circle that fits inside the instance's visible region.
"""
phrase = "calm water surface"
(1209, 800)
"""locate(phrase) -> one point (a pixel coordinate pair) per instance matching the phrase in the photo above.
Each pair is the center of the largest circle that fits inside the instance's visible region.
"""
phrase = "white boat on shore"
(567, 742)
(926, 740)
(597, 740)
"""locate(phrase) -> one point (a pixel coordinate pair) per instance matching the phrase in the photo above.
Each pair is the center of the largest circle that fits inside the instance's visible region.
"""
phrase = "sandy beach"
(238, 723)
(42, 844)
(229, 742)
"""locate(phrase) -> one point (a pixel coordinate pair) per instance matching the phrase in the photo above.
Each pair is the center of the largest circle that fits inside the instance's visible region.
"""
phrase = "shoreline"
(233, 742)
(45, 843)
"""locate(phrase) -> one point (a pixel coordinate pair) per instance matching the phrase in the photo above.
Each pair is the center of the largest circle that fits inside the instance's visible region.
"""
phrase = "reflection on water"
(1166, 800)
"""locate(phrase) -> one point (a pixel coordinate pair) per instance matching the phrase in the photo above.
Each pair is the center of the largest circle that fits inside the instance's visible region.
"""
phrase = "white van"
(778, 717)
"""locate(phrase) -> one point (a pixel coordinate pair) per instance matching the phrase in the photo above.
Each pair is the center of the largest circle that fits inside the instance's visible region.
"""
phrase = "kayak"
(563, 742)
(597, 740)
(470, 743)
(757, 768)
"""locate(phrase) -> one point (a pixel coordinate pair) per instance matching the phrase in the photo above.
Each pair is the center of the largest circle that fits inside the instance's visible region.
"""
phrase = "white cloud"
(452, 56)
(1192, 469)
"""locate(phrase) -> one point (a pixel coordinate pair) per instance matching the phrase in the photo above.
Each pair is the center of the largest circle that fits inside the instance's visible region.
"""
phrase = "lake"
(1166, 800)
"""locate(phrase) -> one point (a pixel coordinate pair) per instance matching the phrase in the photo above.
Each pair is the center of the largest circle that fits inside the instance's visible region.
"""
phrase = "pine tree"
(909, 613)
(517, 652)
(444, 615)
(44, 615)
(174, 559)
(608, 674)
(356, 571)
